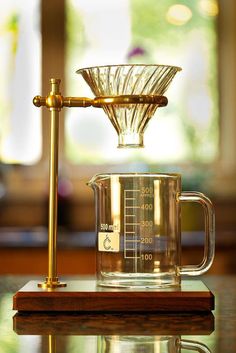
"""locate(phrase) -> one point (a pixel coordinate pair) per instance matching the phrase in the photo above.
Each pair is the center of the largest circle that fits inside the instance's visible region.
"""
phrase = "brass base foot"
(51, 283)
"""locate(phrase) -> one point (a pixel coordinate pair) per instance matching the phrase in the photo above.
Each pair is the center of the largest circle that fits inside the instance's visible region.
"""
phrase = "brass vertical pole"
(53, 183)
(52, 279)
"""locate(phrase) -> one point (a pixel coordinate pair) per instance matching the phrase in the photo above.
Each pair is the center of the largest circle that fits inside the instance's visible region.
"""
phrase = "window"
(165, 32)
(20, 72)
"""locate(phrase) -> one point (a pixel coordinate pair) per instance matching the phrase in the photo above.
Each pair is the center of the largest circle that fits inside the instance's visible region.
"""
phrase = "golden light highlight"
(115, 201)
(178, 14)
(209, 8)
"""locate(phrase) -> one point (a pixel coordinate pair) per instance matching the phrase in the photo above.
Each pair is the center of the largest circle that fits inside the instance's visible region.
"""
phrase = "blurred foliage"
(150, 30)
(152, 35)
(74, 30)
(12, 26)
(9, 31)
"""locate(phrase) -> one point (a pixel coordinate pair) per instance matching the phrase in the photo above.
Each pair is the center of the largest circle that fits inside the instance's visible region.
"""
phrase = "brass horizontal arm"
(56, 101)
(77, 102)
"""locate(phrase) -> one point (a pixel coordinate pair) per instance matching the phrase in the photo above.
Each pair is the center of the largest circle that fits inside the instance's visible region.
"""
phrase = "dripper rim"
(79, 71)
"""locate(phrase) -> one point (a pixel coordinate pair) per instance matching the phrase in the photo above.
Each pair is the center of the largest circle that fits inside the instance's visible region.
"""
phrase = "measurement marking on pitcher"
(131, 243)
(132, 207)
(132, 190)
(133, 224)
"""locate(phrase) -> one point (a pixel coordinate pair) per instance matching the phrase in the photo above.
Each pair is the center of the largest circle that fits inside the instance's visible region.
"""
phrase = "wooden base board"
(84, 295)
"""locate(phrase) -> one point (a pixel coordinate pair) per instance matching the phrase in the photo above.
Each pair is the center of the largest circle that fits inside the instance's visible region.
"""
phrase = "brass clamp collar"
(130, 99)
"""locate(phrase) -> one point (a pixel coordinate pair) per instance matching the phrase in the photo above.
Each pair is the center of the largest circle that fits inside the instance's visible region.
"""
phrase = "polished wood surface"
(104, 332)
(85, 295)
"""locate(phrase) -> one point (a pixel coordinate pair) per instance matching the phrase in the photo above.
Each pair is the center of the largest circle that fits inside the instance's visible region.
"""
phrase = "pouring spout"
(92, 182)
(96, 180)
(130, 139)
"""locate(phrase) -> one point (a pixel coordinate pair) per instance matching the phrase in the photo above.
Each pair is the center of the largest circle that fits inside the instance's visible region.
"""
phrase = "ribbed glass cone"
(129, 120)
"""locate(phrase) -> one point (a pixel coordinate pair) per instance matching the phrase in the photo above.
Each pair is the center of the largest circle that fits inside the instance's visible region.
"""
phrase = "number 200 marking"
(146, 240)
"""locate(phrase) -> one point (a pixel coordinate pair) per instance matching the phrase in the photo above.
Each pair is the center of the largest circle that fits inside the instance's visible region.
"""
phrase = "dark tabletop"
(119, 332)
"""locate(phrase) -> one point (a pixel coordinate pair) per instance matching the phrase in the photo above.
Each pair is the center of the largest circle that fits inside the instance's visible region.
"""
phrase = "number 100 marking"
(146, 257)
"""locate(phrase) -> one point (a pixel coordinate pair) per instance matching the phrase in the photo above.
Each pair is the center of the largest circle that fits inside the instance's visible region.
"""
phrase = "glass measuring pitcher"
(139, 230)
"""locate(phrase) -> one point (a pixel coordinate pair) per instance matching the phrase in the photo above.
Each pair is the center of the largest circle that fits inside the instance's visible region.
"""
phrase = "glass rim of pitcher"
(178, 68)
(134, 175)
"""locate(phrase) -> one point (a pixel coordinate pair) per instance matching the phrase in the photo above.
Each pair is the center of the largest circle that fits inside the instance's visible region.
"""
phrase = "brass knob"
(39, 101)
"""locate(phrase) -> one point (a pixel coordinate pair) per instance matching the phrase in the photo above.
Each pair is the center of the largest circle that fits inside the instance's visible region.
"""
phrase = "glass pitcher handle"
(209, 247)
(194, 346)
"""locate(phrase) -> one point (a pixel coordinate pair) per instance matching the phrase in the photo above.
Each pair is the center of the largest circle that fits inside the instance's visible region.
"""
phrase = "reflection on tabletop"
(118, 332)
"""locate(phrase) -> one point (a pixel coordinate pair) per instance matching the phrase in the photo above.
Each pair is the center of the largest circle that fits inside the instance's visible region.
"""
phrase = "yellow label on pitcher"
(109, 241)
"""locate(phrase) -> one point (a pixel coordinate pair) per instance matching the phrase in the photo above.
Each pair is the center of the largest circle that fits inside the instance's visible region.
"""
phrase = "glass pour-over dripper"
(131, 119)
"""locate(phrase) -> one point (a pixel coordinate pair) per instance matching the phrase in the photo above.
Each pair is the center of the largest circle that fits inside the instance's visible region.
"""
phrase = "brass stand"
(84, 295)
(55, 102)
